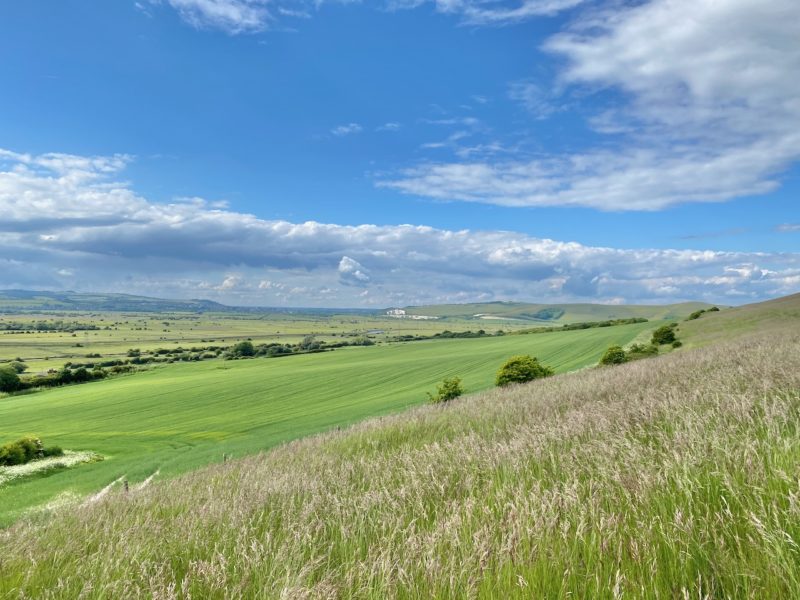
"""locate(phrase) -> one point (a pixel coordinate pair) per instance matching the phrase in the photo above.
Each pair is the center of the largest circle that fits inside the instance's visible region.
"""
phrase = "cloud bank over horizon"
(73, 222)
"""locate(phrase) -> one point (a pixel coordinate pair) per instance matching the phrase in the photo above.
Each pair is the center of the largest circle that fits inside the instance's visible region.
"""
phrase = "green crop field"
(176, 417)
(120, 332)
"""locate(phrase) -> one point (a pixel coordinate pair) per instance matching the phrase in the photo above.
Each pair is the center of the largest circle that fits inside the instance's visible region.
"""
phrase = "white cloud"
(231, 16)
(788, 227)
(251, 16)
(501, 12)
(531, 96)
(347, 129)
(390, 126)
(75, 212)
(712, 111)
(352, 272)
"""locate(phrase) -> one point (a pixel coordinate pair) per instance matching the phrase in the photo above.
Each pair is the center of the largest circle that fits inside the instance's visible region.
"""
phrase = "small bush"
(449, 389)
(637, 351)
(52, 451)
(243, 349)
(20, 452)
(664, 335)
(615, 355)
(677, 344)
(521, 369)
(9, 380)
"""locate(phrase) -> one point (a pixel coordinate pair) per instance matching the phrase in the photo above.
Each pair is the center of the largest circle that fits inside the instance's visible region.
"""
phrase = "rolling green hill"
(671, 477)
(556, 313)
(181, 416)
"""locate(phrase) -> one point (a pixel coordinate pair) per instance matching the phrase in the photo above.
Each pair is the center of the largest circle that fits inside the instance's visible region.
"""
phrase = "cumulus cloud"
(708, 111)
(352, 272)
(51, 204)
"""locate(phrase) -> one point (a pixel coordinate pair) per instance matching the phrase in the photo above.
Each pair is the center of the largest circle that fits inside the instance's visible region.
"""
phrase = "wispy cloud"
(533, 98)
(715, 234)
(707, 109)
(231, 16)
(501, 12)
(251, 16)
(788, 227)
(70, 222)
(348, 129)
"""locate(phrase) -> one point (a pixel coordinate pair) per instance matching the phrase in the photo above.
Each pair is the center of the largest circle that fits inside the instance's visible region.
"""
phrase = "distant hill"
(27, 300)
(30, 300)
(552, 313)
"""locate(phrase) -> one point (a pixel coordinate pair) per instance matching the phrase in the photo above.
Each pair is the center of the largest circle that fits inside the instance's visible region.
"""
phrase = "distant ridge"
(15, 300)
(33, 300)
(551, 313)
(18, 300)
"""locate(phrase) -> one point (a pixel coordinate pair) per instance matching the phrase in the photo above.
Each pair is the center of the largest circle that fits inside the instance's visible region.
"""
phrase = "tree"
(243, 349)
(18, 366)
(9, 380)
(450, 389)
(309, 343)
(615, 355)
(664, 335)
(519, 369)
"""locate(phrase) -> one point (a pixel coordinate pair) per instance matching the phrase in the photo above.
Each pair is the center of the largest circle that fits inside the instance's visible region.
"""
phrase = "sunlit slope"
(770, 316)
(556, 313)
(671, 477)
(181, 416)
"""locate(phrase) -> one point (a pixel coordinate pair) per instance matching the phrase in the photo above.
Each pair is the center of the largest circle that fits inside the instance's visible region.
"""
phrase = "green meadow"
(173, 418)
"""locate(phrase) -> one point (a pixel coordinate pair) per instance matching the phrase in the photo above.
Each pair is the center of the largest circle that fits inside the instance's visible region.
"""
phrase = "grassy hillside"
(771, 316)
(669, 477)
(557, 313)
(182, 416)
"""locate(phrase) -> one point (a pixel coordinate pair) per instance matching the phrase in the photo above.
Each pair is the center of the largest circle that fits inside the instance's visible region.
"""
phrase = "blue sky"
(260, 152)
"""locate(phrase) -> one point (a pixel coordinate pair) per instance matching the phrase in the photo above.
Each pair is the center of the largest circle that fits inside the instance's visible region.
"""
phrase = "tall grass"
(675, 477)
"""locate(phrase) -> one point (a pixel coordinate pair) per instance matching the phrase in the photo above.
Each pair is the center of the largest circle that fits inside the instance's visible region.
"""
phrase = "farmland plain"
(176, 417)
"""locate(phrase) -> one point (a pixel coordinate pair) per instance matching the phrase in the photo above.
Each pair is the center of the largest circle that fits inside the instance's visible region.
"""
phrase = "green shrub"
(637, 351)
(9, 380)
(18, 366)
(664, 335)
(520, 369)
(615, 355)
(22, 451)
(11, 454)
(243, 349)
(449, 389)
(52, 451)
(677, 344)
